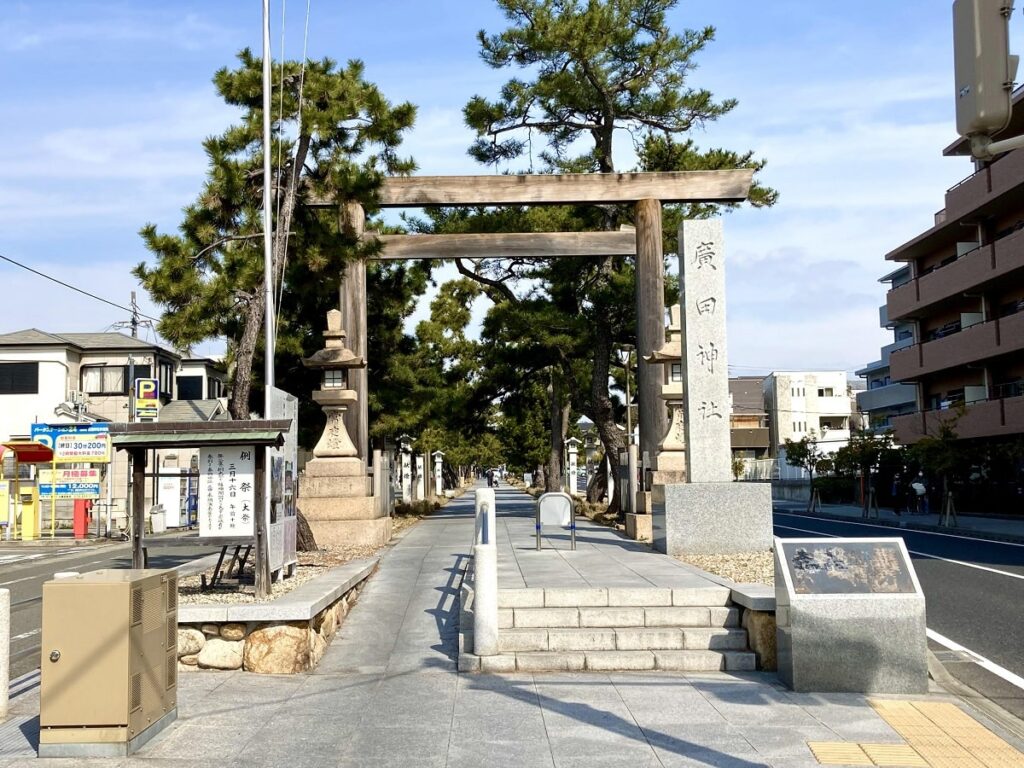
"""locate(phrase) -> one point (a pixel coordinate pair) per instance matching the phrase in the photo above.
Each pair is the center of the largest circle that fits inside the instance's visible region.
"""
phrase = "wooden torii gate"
(645, 191)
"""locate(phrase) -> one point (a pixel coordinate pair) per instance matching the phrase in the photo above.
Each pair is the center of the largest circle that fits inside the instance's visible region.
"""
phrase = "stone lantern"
(334, 396)
(336, 495)
(670, 463)
(572, 446)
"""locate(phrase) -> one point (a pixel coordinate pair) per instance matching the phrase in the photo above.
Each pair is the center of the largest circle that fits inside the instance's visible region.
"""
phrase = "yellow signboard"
(147, 398)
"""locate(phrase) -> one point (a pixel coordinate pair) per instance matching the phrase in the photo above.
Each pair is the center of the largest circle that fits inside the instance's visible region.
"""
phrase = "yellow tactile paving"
(839, 753)
(902, 755)
(939, 735)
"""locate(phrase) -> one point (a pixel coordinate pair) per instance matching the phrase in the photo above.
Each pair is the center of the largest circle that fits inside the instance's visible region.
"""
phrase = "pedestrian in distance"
(897, 495)
(920, 495)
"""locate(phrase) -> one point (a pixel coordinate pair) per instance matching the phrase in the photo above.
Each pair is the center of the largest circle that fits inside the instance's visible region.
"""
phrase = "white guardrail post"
(485, 569)
(5, 650)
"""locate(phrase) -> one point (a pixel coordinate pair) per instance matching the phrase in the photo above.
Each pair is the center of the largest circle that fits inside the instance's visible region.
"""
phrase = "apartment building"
(808, 403)
(883, 399)
(964, 301)
(748, 421)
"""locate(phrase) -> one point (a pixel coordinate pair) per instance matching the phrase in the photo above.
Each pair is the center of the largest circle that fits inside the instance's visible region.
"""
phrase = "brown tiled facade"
(966, 303)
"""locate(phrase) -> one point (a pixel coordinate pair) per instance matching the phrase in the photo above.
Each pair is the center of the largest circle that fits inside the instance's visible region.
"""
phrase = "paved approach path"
(387, 694)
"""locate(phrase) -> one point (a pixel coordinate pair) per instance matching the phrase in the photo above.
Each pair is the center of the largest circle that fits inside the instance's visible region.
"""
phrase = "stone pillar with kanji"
(705, 511)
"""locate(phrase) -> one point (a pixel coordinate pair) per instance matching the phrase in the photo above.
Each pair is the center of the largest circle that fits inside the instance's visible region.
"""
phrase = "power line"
(76, 288)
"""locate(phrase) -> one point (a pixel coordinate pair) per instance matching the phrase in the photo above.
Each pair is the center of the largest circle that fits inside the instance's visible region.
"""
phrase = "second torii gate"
(645, 191)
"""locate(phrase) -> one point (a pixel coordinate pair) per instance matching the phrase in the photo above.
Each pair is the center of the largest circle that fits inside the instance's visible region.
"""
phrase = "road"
(24, 568)
(974, 589)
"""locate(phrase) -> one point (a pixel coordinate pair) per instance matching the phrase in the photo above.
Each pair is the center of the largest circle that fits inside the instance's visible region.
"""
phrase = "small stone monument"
(572, 446)
(438, 477)
(707, 512)
(405, 467)
(335, 494)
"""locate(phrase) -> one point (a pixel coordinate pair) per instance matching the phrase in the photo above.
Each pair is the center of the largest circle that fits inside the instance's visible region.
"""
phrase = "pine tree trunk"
(602, 411)
(559, 426)
(244, 354)
(304, 539)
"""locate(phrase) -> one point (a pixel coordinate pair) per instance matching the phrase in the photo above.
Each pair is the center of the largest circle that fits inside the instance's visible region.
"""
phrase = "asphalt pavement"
(974, 589)
(25, 567)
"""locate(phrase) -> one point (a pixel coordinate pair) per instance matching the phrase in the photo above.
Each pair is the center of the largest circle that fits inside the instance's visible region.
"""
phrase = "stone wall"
(760, 626)
(263, 647)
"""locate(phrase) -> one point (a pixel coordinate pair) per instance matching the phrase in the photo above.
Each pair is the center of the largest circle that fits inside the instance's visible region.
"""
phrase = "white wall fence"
(771, 469)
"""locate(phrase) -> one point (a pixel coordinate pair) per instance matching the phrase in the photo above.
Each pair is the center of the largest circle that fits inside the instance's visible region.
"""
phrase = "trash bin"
(158, 519)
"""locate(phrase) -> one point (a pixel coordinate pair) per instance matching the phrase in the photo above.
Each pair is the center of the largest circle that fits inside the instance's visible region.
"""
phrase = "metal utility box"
(109, 662)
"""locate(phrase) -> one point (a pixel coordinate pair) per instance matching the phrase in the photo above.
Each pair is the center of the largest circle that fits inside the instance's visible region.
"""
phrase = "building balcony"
(971, 345)
(749, 437)
(986, 418)
(991, 181)
(969, 272)
(889, 396)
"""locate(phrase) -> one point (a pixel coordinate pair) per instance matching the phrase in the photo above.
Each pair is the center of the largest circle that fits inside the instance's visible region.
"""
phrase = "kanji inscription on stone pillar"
(705, 366)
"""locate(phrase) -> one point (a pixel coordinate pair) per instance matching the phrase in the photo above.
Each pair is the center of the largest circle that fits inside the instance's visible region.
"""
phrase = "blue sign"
(70, 490)
(75, 442)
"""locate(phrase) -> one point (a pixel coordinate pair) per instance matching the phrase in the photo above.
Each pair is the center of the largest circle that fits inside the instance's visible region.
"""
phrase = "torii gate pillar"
(353, 319)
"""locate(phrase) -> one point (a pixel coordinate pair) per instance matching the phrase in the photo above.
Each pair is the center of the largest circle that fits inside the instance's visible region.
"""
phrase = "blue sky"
(106, 103)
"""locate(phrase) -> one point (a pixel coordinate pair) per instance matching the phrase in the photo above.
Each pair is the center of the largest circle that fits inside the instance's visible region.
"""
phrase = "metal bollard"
(5, 651)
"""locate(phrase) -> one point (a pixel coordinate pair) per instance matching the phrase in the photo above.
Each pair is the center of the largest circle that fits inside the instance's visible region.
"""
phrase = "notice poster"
(227, 491)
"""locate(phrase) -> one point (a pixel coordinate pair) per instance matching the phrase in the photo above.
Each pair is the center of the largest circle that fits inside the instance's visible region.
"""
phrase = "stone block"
(644, 638)
(611, 617)
(638, 527)
(677, 617)
(546, 617)
(340, 467)
(190, 641)
(218, 653)
(643, 503)
(566, 598)
(715, 639)
(610, 661)
(701, 596)
(712, 518)
(319, 487)
(639, 596)
(331, 508)
(861, 645)
(521, 598)
(739, 661)
(211, 630)
(505, 620)
(689, 661)
(581, 640)
(190, 660)
(757, 597)
(498, 664)
(513, 640)
(550, 662)
(469, 663)
(355, 533)
(729, 617)
(761, 630)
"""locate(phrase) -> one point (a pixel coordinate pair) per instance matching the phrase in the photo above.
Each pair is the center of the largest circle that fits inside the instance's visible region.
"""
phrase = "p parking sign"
(147, 398)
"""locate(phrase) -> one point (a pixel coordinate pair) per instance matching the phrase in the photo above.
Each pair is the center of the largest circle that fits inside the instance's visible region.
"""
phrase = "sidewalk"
(969, 525)
(387, 694)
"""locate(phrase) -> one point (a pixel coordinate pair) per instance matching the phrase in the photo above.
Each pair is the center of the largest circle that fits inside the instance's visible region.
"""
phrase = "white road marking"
(981, 661)
(45, 577)
(908, 530)
(919, 554)
(23, 635)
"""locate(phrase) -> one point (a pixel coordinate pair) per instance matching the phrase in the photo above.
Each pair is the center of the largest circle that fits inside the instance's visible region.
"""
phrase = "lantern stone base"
(335, 496)
(638, 527)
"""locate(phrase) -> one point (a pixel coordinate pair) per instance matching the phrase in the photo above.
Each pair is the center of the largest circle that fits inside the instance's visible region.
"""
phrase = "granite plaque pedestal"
(711, 518)
(850, 617)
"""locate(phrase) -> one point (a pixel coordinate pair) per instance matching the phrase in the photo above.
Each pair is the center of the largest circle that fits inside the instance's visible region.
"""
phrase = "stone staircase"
(603, 629)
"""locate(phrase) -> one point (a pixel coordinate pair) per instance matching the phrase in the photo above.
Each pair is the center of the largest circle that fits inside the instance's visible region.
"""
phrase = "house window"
(104, 379)
(825, 392)
(677, 372)
(215, 388)
(165, 374)
(190, 387)
(19, 378)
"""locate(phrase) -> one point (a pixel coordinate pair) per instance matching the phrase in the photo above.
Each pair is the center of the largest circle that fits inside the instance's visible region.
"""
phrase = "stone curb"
(756, 597)
(913, 526)
(301, 604)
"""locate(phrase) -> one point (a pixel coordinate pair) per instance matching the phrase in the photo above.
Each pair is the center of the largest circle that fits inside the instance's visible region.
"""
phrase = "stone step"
(618, 617)
(621, 639)
(711, 596)
(607, 661)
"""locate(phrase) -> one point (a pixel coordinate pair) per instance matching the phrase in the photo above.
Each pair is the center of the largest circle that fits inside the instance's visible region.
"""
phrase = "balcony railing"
(970, 345)
(978, 266)
(994, 417)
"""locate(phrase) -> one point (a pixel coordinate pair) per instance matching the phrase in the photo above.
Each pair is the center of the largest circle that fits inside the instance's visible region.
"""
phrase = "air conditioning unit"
(109, 662)
(76, 397)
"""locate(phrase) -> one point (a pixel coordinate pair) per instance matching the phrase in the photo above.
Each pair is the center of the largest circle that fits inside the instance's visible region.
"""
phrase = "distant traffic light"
(984, 68)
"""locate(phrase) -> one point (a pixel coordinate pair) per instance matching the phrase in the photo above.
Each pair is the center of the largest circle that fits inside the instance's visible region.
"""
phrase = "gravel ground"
(742, 567)
(311, 565)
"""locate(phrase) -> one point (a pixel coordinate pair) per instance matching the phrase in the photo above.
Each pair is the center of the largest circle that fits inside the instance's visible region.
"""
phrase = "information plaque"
(847, 566)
